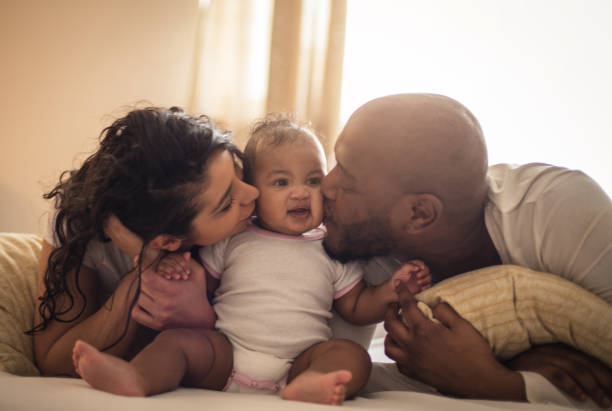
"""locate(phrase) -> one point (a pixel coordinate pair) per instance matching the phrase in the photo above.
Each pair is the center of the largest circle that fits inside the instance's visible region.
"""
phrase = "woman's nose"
(250, 193)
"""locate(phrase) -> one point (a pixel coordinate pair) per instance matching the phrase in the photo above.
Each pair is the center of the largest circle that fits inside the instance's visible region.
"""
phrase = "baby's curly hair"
(273, 130)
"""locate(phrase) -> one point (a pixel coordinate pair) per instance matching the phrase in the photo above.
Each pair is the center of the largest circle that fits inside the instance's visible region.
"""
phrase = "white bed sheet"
(62, 394)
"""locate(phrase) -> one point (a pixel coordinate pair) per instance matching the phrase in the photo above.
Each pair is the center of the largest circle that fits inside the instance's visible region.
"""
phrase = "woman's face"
(227, 202)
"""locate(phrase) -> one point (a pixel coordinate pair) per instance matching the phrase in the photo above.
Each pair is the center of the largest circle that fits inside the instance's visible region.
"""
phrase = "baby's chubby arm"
(367, 304)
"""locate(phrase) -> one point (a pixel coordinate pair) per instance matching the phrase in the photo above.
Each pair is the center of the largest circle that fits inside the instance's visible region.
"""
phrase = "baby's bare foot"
(313, 386)
(106, 372)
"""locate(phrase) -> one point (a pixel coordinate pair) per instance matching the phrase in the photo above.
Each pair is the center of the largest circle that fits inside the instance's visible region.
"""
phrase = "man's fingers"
(394, 325)
(591, 376)
(588, 382)
(573, 372)
(594, 379)
(410, 312)
(563, 381)
(393, 350)
(447, 315)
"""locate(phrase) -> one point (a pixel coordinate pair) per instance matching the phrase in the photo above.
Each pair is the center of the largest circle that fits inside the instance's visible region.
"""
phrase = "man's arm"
(571, 371)
(455, 358)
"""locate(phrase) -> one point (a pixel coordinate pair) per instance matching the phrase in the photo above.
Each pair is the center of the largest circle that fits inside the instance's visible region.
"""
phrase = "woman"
(172, 179)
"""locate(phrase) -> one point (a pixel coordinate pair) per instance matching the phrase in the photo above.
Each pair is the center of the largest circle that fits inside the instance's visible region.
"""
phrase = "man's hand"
(571, 371)
(164, 304)
(451, 356)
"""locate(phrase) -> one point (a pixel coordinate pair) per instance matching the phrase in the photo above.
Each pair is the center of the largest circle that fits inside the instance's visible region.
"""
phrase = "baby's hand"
(415, 274)
(174, 266)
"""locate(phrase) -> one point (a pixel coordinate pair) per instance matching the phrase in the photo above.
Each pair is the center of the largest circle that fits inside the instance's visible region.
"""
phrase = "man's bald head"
(425, 143)
(410, 175)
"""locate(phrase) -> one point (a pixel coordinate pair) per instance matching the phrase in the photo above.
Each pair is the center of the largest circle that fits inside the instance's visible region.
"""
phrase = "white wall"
(66, 66)
(536, 73)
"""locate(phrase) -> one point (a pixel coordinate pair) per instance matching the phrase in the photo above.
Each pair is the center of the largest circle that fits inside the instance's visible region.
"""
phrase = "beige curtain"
(259, 56)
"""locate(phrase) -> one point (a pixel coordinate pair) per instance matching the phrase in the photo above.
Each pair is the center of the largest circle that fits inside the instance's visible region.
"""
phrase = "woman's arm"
(100, 323)
(162, 303)
(166, 303)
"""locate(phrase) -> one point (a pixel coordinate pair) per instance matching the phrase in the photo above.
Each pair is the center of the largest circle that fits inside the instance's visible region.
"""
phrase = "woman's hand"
(164, 303)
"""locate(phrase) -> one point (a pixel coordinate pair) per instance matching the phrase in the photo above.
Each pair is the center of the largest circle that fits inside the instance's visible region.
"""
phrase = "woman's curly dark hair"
(148, 170)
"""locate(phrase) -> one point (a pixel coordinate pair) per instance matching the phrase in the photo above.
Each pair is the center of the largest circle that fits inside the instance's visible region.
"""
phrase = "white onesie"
(275, 296)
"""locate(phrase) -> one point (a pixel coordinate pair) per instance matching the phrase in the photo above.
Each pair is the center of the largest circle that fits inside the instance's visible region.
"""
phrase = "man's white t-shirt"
(554, 220)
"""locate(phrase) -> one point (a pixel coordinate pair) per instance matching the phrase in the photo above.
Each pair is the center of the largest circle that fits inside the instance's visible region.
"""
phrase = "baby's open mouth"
(299, 212)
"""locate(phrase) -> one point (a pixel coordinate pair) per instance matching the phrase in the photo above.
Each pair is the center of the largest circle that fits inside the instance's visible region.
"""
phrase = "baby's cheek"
(317, 215)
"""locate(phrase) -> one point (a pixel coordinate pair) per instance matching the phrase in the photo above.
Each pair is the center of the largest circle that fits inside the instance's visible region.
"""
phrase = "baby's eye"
(281, 182)
(315, 181)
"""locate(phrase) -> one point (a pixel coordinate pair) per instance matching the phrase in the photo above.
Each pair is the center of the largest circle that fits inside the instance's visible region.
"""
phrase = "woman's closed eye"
(228, 206)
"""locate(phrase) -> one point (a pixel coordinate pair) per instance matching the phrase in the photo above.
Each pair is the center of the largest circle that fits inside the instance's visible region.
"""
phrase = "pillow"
(19, 255)
(515, 308)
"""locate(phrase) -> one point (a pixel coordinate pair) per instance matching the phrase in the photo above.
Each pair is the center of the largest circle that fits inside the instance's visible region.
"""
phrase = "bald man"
(412, 181)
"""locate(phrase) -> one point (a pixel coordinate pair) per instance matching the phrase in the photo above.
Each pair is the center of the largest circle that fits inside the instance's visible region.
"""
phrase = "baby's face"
(289, 180)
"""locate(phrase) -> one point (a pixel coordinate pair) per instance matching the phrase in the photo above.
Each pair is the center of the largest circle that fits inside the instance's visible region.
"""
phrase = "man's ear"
(414, 213)
(166, 242)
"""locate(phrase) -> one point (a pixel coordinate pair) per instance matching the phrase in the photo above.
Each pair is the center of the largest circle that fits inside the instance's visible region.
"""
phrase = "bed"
(21, 387)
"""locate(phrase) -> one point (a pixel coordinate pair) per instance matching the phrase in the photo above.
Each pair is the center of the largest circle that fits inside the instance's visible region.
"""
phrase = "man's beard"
(363, 240)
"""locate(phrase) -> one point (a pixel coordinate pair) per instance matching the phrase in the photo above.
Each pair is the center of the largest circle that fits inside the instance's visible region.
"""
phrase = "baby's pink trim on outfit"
(212, 272)
(247, 381)
(312, 235)
(345, 290)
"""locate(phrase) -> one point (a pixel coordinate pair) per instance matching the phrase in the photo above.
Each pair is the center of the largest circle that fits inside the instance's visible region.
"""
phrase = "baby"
(276, 291)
